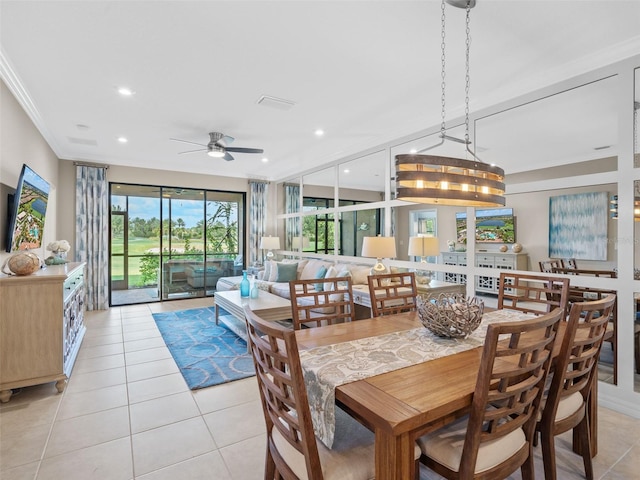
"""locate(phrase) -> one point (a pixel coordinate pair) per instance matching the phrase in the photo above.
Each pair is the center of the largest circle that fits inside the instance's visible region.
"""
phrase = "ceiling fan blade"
(225, 140)
(227, 157)
(186, 141)
(245, 150)
(193, 151)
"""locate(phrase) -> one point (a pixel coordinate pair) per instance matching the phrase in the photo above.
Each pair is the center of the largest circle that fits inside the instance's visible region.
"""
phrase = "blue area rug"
(207, 354)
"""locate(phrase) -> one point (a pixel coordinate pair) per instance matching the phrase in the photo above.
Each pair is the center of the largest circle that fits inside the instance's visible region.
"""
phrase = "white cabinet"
(454, 258)
(498, 260)
(41, 326)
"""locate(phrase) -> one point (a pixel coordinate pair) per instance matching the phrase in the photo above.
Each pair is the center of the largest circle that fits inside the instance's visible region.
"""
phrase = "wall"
(21, 142)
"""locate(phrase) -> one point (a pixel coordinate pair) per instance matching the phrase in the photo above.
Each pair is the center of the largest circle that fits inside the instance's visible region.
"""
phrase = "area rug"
(207, 354)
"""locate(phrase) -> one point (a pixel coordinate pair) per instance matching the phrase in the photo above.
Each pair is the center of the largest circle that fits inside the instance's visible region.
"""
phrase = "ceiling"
(365, 72)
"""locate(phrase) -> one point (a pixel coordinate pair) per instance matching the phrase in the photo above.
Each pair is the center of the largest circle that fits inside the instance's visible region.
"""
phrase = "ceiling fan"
(218, 146)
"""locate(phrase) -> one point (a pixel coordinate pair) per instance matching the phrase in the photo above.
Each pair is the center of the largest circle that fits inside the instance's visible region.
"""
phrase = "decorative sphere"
(503, 248)
(23, 263)
(516, 247)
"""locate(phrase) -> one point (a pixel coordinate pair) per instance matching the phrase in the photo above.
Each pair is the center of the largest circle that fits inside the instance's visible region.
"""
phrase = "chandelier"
(445, 180)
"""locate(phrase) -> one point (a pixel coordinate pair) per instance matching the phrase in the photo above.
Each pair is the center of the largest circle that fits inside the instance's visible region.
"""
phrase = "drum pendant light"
(445, 180)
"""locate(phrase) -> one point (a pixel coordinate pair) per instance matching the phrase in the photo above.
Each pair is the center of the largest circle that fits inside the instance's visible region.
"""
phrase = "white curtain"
(92, 233)
(257, 218)
(292, 205)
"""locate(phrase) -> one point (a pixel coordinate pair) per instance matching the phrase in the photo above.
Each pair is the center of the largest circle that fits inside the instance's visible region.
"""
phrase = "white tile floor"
(127, 413)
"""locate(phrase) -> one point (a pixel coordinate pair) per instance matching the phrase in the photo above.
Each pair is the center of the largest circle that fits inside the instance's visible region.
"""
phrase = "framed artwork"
(578, 226)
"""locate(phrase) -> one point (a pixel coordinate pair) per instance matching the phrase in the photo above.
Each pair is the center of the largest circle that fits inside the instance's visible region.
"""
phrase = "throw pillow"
(322, 271)
(344, 273)
(331, 273)
(286, 272)
(359, 275)
(273, 273)
(266, 272)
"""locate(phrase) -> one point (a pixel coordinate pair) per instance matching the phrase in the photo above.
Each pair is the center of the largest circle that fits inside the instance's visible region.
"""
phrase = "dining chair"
(532, 293)
(547, 266)
(321, 302)
(392, 293)
(582, 294)
(293, 452)
(574, 371)
(495, 438)
(568, 263)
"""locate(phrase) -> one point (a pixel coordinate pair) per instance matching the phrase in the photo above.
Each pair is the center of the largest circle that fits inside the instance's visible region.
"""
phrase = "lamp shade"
(423, 246)
(379, 247)
(270, 243)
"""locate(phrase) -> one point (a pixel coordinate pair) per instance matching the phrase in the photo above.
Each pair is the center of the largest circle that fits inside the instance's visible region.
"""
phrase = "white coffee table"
(267, 306)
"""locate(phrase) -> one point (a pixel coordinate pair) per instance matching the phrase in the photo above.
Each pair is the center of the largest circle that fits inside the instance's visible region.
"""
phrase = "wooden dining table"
(403, 404)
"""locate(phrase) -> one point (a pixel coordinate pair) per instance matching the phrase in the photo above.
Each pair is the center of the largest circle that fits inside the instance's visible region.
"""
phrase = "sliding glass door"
(170, 243)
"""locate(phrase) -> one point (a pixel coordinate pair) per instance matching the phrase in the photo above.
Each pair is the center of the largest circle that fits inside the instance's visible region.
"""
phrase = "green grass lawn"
(137, 248)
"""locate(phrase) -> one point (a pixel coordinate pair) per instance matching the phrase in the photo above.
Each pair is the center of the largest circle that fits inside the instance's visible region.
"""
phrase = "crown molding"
(15, 86)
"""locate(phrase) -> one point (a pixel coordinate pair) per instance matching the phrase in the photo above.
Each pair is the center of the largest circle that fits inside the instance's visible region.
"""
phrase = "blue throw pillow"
(286, 272)
(320, 274)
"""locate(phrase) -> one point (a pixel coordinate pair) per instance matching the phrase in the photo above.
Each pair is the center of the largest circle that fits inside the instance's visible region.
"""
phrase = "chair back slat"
(332, 303)
(392, 293)
(282, 392)
(532, 293)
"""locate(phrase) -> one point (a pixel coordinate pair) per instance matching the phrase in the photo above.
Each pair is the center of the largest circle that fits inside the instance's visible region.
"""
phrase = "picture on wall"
(578, 226)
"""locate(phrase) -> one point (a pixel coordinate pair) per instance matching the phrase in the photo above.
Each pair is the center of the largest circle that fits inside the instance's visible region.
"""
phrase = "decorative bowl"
(452, 316)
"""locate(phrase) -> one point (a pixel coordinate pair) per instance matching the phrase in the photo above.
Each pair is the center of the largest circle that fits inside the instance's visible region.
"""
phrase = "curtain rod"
(95, 165)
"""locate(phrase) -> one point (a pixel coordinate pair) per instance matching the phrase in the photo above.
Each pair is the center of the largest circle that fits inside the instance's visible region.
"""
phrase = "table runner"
(329, 366)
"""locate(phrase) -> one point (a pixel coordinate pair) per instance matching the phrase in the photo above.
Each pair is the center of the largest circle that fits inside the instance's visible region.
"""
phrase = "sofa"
(276, 276)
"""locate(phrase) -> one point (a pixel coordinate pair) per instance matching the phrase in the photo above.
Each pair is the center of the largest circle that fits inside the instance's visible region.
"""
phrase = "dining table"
(396, 378)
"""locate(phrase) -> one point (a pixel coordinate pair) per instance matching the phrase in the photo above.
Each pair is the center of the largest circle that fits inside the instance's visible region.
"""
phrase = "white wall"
(21, 142)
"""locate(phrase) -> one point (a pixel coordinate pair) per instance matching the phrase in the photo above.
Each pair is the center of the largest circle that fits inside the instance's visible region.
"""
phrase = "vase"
(255, 291)
(244, 285)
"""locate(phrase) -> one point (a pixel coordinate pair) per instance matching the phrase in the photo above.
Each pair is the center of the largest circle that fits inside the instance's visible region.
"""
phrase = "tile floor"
(127, 413)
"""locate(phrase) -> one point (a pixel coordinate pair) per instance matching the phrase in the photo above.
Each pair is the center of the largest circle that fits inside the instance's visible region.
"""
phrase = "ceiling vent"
(275, 102)
(83, 141)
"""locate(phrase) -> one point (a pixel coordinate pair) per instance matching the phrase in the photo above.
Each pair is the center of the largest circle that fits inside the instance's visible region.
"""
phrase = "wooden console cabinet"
(41, 326)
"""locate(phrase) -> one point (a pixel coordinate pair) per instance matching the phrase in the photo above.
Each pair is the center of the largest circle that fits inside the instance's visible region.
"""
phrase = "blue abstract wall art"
(578, 226)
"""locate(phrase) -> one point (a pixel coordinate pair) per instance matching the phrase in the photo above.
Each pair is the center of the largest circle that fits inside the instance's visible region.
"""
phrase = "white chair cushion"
(445, 446)
(569, 405)
(350, 458)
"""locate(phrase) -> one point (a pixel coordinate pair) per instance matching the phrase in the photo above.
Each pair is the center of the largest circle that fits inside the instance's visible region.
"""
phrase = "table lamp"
(299, 243)
(270, 243)
(423, 247)
(379, 248)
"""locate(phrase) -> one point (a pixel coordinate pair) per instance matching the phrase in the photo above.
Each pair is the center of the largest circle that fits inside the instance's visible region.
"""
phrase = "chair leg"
(585, 447)
(270, 467)
(526, 469)
(548, 454)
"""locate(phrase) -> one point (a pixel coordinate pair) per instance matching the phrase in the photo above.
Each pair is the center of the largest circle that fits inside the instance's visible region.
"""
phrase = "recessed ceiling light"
(413, 150)
(122, 139)
(346, 170)
(265, 159)
(125, 92)
(319, 132)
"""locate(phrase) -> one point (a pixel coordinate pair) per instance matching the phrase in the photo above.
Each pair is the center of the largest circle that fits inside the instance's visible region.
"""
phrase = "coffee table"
(267, 306)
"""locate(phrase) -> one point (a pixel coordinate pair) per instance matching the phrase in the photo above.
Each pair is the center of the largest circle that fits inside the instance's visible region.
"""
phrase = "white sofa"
(306, 269)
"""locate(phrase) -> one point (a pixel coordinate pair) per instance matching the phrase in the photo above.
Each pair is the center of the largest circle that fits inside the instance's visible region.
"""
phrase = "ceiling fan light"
(216, 152)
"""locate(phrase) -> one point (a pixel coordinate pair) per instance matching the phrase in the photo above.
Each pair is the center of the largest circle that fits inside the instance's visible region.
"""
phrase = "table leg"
(395, 459)
(217, 313)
